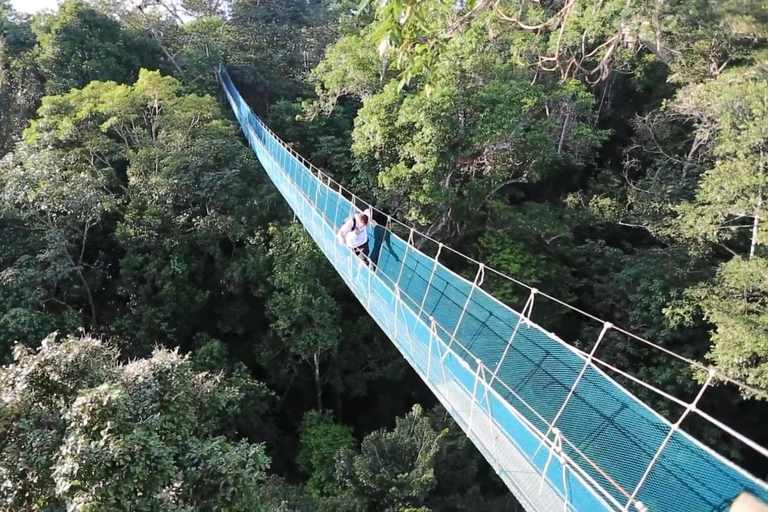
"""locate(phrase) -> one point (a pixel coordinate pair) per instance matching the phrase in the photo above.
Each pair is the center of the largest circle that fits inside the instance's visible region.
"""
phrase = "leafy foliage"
(20, 86)
(78, 44)
(394, 468)
(578, 39)
(440, 154)
(610, 153)
(101, 429)
(151, 167)
(320, 440)
(305, 316)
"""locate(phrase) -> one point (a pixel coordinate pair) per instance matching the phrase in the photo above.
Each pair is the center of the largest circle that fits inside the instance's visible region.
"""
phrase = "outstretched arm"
(343, 230)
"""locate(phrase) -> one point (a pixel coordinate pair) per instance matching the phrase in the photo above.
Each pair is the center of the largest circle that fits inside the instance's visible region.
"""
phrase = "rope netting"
(556, 422)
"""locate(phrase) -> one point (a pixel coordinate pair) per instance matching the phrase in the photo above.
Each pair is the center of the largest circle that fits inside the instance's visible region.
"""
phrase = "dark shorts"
(362, 251)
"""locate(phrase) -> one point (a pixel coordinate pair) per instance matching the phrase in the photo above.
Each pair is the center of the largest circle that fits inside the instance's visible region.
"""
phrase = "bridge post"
(306, 176)
(566, 500)
(639, 505)
(336, 211)
(431, 276)
(476, 283)
(368, 297)
(494, 429)
(606, 327)
(405, 257)
(327, 195)
(315, 200)
(333, 228)
(528, 307)
(433, 336)
(474, 394)
(431, 341)
(398, 300)
(397, 296)
(556, 449)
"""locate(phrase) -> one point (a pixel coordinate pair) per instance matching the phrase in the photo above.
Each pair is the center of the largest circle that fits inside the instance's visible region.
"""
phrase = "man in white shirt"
(354, 234)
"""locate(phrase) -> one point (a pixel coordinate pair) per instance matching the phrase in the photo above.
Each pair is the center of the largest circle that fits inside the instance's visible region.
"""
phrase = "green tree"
(735, 302)
(728, 211)
(320, 439)
(533, 242)
(270, 48)
(278, 496)
(193, 193)
(64, 200)
(78, 44)
(147, 180)
(251, 418)
(304, 316)
(465, 481)
(82, 430)
(424, 463)
(20, 87)
(481, 129)
(351, 67)
(587, 40)
(730, 112)
(394, 470)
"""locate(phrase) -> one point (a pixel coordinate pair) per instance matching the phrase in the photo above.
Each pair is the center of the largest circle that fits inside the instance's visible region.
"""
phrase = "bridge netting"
(559, 431)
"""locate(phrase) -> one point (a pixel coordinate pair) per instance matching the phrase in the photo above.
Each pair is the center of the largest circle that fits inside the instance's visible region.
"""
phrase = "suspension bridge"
(551, 419)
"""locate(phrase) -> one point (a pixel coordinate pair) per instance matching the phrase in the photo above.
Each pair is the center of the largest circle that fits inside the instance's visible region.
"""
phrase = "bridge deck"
(503, 381)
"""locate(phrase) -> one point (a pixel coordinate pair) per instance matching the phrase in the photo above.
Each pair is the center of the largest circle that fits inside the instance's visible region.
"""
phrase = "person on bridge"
(354, 234)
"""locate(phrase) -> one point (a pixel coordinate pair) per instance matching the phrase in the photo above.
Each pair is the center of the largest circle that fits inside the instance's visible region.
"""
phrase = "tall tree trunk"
(756, 225)
(88, 293)
(318, 385)
(564, 133)
(78, 266)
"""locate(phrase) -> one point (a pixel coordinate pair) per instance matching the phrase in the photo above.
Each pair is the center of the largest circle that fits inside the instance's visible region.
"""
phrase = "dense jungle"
(171, 338)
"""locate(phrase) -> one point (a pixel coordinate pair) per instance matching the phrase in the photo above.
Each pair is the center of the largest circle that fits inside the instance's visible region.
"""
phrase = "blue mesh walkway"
(559, 432)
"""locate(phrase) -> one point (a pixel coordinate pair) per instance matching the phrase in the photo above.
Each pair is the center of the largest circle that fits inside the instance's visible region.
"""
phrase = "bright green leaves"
(304, 314)
(350, 68)
(704, 190)
(305, 325)
(78, 44)
(91, 432)
(732, 113)
(582, 39)
(729, 210)
(321, 439)
(573, 38)
(40, 184)
(698, 39)
(149, 168)
(448, 152)
(736, 303)
(408, 29)
(394, 469)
